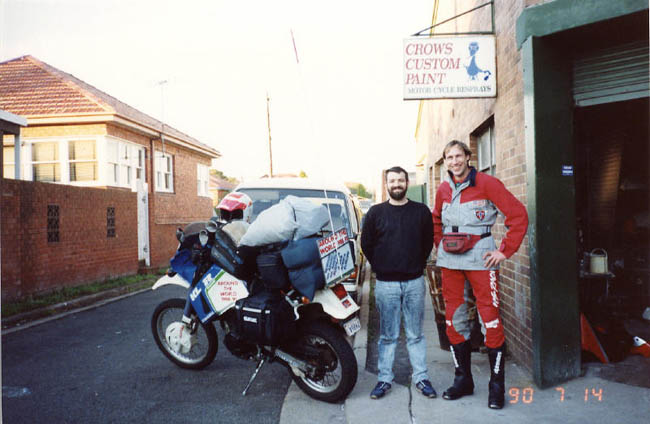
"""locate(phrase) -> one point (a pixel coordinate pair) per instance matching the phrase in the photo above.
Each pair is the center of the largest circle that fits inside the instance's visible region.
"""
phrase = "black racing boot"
(497, 377)
(463, 382)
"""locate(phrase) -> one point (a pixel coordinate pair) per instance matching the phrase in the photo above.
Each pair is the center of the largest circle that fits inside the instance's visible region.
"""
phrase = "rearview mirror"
(211, 226)
(203, 238)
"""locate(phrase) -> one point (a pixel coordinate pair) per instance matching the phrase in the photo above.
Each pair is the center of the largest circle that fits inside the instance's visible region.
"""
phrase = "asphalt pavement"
(101, 365)
(588, 399)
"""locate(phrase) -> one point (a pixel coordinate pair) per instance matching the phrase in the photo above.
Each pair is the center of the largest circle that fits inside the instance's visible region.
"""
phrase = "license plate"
(352, 326)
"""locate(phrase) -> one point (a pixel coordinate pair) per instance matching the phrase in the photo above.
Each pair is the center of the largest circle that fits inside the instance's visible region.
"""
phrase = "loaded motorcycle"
(262, 314)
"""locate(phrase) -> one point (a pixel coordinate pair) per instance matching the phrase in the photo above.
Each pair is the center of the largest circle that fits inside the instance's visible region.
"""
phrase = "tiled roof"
(219, 184)
(32, 88)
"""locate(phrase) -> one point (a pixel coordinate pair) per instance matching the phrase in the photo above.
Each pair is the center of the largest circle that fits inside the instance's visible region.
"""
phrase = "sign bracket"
(491, 32)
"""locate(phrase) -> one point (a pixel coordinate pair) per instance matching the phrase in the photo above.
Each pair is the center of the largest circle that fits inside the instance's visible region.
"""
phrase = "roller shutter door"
(611, 75)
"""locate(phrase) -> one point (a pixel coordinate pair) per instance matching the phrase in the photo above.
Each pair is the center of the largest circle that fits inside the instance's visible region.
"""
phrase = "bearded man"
(397, 238)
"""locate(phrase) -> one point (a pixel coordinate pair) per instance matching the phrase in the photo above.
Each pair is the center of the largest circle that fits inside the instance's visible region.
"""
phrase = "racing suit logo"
(493, 289)
(480, 215)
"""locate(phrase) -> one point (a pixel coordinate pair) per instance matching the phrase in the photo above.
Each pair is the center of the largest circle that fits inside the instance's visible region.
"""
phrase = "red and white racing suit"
(472, 208)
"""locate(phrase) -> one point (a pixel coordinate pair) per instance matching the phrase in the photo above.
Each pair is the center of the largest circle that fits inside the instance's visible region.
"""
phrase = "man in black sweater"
(397, 238)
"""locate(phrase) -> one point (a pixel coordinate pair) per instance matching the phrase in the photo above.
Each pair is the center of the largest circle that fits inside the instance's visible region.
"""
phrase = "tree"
(223, 176)
(360, 190)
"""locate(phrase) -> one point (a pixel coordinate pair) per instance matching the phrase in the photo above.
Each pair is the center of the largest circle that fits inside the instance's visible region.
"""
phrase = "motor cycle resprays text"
(263, 316)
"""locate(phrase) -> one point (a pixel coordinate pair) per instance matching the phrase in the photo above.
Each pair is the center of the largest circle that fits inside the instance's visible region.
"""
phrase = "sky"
(336, 108)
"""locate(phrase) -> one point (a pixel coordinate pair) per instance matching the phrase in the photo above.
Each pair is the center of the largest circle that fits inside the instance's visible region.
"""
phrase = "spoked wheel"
(335, 371)
(192, 346)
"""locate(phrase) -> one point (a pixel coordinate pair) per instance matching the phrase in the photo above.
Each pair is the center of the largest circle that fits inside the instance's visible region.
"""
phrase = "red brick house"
(123, 182)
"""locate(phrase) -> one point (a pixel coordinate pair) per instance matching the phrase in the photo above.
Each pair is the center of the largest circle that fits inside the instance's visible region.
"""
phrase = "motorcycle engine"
(239, 347)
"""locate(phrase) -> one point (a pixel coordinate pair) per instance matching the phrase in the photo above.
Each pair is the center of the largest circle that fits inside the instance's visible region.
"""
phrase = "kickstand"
(259, 366)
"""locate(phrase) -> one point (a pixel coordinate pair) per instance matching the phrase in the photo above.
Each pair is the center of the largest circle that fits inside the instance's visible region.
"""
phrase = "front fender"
(333, 306)
(167, 280)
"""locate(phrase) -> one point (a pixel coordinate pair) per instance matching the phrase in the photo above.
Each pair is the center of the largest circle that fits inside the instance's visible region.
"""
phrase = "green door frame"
(548, 120)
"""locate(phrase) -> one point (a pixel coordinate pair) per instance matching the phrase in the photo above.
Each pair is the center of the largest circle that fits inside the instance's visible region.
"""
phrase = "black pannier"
(224, 250)
(270, 267)
(265, 318)
(272, 270)
(224, 253)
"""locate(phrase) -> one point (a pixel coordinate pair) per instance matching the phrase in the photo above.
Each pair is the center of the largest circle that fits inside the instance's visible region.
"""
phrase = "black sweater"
(397, 240)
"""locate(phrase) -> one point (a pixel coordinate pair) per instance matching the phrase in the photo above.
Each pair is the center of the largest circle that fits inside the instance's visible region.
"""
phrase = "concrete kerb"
(360, 345)
(67, 308)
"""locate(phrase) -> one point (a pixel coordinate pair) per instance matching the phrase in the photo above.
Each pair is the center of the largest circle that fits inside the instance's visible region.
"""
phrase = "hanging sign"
(449, 67)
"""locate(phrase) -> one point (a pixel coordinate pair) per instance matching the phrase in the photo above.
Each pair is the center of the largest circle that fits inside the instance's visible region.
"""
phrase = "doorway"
(612, 177)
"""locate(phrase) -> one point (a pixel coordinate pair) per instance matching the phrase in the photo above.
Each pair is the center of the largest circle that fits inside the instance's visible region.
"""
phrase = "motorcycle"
(306, 336)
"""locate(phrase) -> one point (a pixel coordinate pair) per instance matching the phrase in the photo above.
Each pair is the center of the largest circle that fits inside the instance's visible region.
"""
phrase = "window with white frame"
(79, 161)
(112, 162)
(486, 151)
(202, 180)
(125, 163)
(139, 164)
(8, 165)
(82, 160)
(164, 171)
(46, 165)
(126, 157)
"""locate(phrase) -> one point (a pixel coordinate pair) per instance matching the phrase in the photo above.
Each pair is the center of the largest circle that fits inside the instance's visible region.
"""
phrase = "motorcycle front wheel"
(335, 368)
(200, 347)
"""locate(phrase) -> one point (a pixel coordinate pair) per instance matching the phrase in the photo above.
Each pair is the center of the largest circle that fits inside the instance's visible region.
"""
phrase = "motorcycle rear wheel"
(337, 365)
(203, 350)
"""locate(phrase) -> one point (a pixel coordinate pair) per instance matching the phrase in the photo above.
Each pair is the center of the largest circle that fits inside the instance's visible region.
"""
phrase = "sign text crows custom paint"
(449, 67)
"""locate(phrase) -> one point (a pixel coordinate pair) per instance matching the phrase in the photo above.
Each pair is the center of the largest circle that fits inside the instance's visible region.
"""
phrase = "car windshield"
(264, 198)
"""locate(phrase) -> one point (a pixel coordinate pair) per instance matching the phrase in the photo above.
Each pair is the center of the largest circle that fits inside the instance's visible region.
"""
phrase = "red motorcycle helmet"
(236, 206)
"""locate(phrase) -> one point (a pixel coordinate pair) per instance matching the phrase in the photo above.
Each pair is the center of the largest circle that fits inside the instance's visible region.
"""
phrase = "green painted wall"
(561, 15)
(551, 206)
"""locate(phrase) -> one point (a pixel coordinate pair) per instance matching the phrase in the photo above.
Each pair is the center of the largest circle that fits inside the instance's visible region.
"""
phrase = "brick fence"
(56, 235)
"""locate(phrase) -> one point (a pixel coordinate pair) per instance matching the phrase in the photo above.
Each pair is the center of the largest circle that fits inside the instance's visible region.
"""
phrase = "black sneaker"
(380, 390)
(426, 389)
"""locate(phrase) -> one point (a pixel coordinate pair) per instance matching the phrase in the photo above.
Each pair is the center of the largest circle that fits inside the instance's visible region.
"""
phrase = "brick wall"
(444, 120)
(169, 211)
(84, 253)
(24, 205)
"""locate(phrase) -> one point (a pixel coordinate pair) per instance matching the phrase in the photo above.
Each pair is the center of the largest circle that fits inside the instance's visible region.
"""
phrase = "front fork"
(187, 313)
(189, 316)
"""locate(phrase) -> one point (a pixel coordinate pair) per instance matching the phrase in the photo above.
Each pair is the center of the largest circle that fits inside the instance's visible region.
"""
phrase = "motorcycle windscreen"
(216, 293)
(182, 264)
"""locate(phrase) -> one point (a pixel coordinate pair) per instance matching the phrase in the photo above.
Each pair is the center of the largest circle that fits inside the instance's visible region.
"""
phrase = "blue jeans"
(392, 299)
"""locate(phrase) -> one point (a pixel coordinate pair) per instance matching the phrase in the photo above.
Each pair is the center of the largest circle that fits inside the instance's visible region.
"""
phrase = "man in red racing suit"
(466, 208)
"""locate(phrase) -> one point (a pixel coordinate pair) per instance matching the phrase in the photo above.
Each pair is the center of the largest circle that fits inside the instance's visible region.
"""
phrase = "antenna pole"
(268, 120)
(162, 113)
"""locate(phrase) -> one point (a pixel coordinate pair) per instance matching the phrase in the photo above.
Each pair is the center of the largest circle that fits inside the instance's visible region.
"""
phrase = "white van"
(266, 192)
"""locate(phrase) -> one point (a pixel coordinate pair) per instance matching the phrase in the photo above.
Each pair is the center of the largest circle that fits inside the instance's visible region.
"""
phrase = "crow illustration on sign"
(473, 71)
